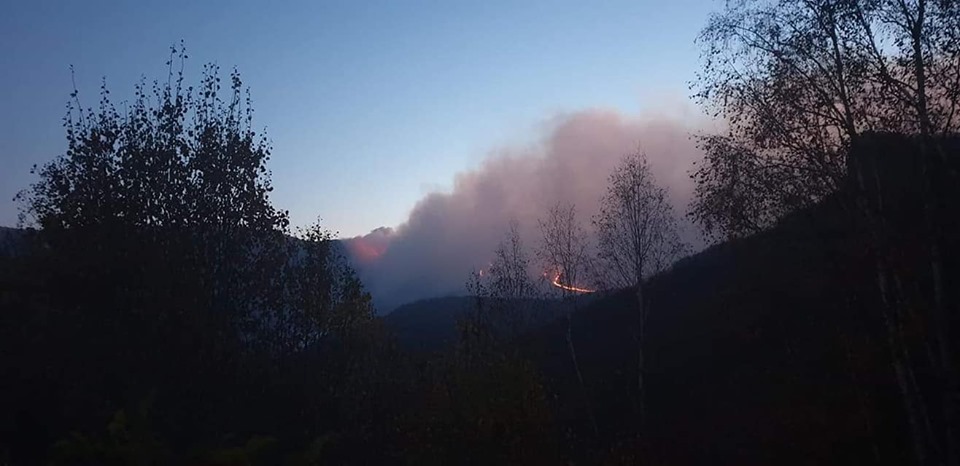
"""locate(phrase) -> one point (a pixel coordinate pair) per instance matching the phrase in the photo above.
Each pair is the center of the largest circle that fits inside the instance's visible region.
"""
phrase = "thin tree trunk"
(903, 371)
(641, 321)
(861, 397)
(576, 368)
(947, 374)
(901, 365)
(945, 368)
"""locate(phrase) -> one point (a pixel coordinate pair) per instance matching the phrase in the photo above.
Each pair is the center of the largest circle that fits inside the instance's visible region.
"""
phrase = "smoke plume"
(448, 235)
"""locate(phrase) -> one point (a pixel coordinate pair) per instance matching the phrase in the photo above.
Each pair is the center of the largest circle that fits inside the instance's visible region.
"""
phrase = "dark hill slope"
(757, 353)
(428, 324)
(771, 349)
(431, 324)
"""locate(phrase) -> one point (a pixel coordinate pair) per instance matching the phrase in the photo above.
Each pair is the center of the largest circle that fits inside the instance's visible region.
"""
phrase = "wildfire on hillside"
(556, 282)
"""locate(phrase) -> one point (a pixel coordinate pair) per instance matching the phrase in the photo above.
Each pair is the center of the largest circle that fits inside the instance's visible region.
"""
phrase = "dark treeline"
(157, 308)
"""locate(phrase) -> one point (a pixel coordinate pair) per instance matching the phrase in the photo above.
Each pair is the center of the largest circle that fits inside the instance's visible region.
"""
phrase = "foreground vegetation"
(161, 310)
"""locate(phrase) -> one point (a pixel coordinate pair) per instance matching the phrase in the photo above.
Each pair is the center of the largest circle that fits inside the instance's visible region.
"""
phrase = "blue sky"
(370, 105)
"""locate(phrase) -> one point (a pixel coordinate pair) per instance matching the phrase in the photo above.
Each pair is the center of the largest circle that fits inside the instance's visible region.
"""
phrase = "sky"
(370, 106)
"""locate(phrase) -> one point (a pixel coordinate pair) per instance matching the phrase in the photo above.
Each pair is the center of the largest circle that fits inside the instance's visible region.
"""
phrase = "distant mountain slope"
(428, 324)
(11, 241)
(431, 324)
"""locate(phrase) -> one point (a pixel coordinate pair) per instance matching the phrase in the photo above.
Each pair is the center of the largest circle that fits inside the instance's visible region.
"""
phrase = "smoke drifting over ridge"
(447, 235)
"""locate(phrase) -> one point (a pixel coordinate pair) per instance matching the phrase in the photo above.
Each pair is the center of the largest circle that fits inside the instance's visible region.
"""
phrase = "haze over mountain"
(450, 234)
(475, 233)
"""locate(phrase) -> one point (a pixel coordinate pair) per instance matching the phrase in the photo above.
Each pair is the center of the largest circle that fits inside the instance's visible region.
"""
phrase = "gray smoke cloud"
(448, 235)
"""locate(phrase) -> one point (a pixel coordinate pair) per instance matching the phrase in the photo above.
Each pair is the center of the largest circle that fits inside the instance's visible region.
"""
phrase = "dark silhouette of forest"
(157, 308)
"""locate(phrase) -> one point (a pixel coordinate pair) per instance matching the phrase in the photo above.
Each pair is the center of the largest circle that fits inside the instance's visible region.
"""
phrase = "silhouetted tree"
(800, 84)
(636, 225)
(177, 181)
(323, 296)
(161, 265)
(510, 270)
(637, 235)
(508, 297)
(485, 401)
(490, 410)
(563, 253)
(797, 81)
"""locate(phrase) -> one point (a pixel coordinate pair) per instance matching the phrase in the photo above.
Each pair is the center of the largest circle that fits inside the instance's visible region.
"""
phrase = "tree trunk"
(932, 213)
(861, 396)
(902, 368)
(576, 368)
(641, 322)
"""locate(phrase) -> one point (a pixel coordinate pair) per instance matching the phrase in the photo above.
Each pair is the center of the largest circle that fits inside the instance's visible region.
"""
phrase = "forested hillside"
(158, 306)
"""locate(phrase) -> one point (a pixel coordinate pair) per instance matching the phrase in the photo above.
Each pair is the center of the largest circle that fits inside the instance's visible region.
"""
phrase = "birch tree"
(801, 84)
(564, 254)
(637, 234)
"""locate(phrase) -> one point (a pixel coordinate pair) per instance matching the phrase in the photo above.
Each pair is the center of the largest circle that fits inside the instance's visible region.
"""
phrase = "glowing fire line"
(556, 282)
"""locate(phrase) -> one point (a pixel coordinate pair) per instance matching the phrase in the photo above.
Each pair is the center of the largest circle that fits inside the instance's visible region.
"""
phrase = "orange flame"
(366, 251)
(556, 282)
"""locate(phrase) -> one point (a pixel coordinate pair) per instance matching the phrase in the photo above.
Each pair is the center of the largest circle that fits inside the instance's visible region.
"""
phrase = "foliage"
(160, 257)
(244, 455)
(808, 88)
(488, 408)
(129, 440)
(162, 292)
(564, 248)
(798, 81)
(508, 299)
(636, 226)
